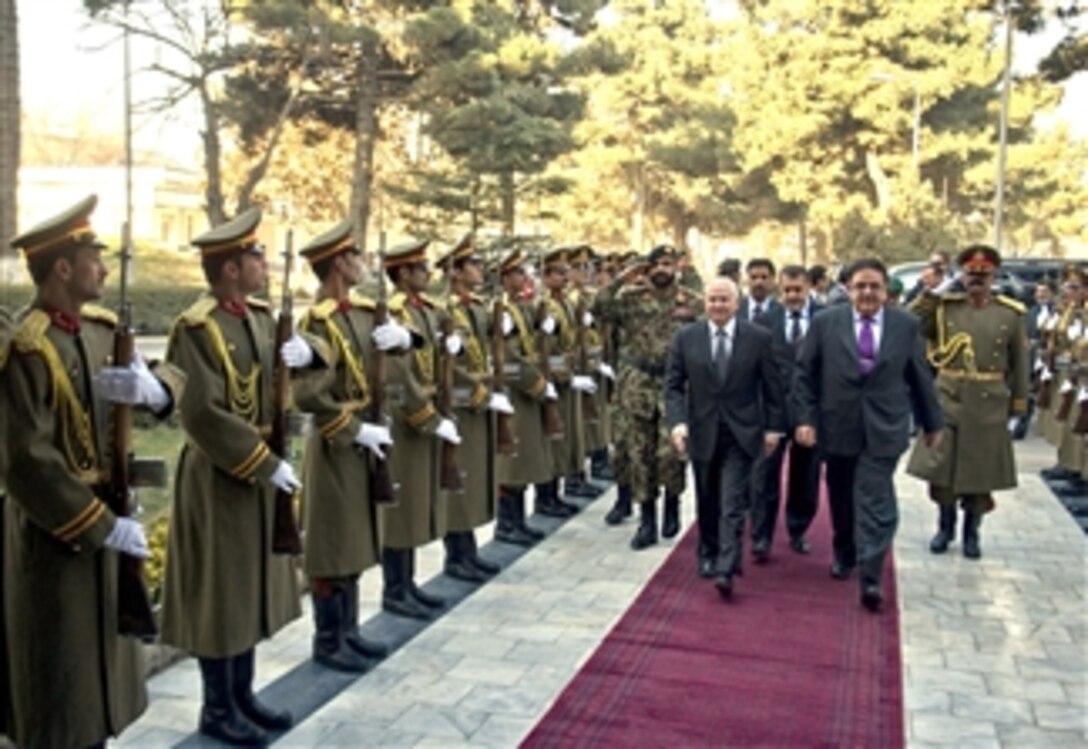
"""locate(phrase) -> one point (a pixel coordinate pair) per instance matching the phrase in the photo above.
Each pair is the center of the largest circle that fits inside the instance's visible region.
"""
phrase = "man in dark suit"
(787, 323)
(860, 371)
(723, 407)
(758, 301)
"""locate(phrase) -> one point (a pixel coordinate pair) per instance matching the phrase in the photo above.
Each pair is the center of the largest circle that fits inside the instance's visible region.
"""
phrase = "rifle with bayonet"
(589, 400)
(505, 441)
(285, 535)
(450, 477)
(383, 488)
(553, 422)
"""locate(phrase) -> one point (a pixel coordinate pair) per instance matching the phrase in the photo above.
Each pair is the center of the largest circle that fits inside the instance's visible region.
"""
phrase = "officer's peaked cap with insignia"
(465, 247)
(581, 253)
(556, 258)
(978, 258)
(336, 240)
(70, 228)
(236, 235)
(511, 261)
(663, 251)
(413, 252)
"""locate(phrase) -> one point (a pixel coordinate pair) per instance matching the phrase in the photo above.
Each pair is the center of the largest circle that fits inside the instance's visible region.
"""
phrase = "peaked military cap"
(511, 261)
(407, 253)
(336, 240)
(556, 258)
(70, 228)
(581, 253)
(978, 258)
(1072, 272)
(663, 251)
(729, 267)
(463, 248)
(237, 235)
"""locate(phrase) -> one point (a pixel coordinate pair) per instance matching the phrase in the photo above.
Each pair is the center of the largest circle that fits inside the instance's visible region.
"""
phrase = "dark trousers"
(802, 490)
(721, 490)
(864, 511)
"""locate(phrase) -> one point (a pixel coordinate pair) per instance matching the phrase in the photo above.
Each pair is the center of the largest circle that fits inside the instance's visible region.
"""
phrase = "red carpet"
(792, 661)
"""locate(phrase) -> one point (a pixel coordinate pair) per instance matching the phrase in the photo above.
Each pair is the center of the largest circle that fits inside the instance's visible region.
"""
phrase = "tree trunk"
(213, 191)
(9, 121)
(366, 136)
(509, 202)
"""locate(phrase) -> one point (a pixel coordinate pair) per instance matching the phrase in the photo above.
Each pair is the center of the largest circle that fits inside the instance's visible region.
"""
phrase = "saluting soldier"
(649, 312)
(474, 404)
(621, 427)
(978, 344)
(224, 588)
(420, 514)
(529, 389)
(339, 516)
(74, 681)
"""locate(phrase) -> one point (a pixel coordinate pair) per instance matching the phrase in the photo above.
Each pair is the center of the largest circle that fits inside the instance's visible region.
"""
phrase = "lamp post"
(916, 129)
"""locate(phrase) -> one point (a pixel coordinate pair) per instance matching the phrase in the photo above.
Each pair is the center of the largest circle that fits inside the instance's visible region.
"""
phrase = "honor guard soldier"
(474, 402)
(420, 514)
(978, 345)
(74, 680)
(529, 393)
(649, 313)
(225, 590)
(339, 512)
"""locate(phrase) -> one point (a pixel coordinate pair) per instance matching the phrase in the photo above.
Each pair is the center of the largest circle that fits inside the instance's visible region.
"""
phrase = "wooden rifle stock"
(608, 353)
(505, 441)
(589, 400)
(449, 471)
(383, 489)
(135, 617)
(285, 534)
(553, 422)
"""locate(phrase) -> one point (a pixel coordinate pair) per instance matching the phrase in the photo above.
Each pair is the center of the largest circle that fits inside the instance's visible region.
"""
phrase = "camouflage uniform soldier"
(224, 588)
(474, 402)
(532, 464)
(419, 516)
(979, 347)
(621, 459)
(74, 680)
(339, 515)
(649, 314)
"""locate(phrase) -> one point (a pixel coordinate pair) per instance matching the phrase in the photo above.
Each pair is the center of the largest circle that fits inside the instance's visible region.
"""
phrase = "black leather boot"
(507, 529)
(220, 717)
(621, 510)
(352, 636)
(458, 565)
(576, 486)
(670, 521)
(518, 506)
(547, 502)
(474, 558)
(646, 535)
(599, 467)
(330, 648)
(242, 688)
(946, 529)
(396, 597)
(971, 522)
(430, 601)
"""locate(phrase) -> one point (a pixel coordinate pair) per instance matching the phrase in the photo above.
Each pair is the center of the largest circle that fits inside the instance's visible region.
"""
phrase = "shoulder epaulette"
(1012, 304)
(361, 300)
(256, 302)
(429, 300)
(198, 312)
(477, 299)
(397, 301)
(30, 332)
(99, 314)
(323, 309)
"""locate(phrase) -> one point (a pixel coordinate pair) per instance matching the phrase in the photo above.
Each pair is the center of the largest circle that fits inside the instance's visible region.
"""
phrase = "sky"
(72, 73)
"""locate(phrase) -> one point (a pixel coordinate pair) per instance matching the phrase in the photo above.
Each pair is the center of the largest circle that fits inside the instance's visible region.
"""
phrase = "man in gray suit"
(860, 371)
(723, 408)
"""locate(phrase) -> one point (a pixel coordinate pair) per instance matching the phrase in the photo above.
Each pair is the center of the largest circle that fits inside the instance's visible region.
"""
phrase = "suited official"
(759, 300)
(723, 409)
(860, 371)
(787, 322)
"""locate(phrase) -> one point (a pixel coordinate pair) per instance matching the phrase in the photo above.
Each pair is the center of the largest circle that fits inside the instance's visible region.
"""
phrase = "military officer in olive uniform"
(224, 589)
(979, 348)
(649, 313)
(474, 403)
(420, 514)
(529, 389)
(339, 516)
(74, 681)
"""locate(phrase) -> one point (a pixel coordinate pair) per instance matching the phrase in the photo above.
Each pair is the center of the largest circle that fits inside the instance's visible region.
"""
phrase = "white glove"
(127, 536)
(447, 430)
(1051, 322)
(500, 403)
(550, 393)
(548, 325)
(374, 437)
(507, 323)
(606, 370)
(1067, 387)
(285, 479)
(1082, 394)
(1074, 330)
(1039, 365)
(1011, 425)
(453, 344)
(1047, 375)
(390, 336)
(945, 285)
(296, 353)
(583, 384)
(587, 318)
(133, 385)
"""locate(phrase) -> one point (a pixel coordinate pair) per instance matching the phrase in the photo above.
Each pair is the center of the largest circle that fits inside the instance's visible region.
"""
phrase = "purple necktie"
(866, 346)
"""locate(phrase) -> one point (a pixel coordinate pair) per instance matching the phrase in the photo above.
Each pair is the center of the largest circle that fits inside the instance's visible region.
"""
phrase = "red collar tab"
(68, 323)
(233, 307)
(344, 305)
(416, 302)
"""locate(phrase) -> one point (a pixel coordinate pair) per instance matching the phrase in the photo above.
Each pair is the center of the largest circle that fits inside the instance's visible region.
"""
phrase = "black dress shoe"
(407, 606)
(463, 569)
(706, 568)
(871, 597)
(427, 599)
(840, 571)
(761, 550)
(800, 544)
(484, 566)
(724, 584)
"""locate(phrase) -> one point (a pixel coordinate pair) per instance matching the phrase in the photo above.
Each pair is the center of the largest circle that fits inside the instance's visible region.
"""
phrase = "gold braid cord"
(948, 349)
(355, 382)
(525, 334)
(566, 331)
(241, 389)
(476, 360)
